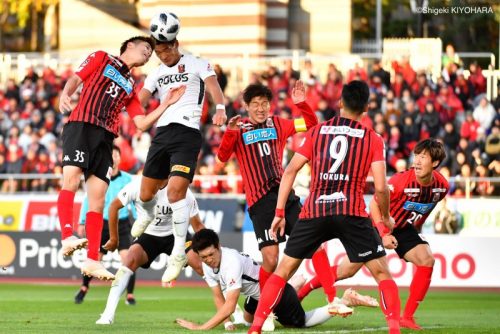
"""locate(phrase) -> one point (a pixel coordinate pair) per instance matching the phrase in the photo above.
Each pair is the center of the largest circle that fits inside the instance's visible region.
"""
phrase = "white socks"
(119, 285)
(147, 209)
(317, 316)
(180, 222)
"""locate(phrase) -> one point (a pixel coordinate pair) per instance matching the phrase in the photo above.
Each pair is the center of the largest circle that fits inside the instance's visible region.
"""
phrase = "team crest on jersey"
(259, 135)
(436, 197)
(269, 122)
(181, 68)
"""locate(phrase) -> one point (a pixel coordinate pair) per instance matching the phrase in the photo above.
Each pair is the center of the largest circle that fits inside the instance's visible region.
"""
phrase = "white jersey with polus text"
(191, 72)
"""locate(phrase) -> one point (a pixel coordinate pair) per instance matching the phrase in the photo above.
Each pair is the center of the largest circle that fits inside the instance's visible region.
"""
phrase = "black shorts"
(360, 239)
(262, 215)
(289, 312)
(173, 151)
(154, 246)
(89, 147)
(408, 238)
(124, 241)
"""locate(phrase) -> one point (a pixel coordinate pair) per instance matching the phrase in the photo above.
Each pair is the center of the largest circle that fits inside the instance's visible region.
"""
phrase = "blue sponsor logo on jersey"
(422, 208)
(117, 77)
(255, 136)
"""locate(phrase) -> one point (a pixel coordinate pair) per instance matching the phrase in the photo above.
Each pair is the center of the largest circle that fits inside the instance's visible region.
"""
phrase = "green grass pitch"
(29, 308)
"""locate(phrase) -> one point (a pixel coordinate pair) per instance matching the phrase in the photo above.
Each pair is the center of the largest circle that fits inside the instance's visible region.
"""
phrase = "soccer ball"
(165, 26)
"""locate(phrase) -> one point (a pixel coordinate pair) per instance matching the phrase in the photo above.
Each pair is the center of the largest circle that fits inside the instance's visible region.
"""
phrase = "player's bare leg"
(65, 203)
(421, 256)
(270, 256)
(176, 192)
(389, 295)
(145, 205)
(96, 192)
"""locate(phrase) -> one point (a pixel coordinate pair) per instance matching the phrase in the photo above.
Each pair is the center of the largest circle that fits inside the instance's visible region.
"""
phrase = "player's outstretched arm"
(196, 223)
(215, 92)
(144, 122)
(223, 312)
(65, 99)
(278, 225)
(114, 207)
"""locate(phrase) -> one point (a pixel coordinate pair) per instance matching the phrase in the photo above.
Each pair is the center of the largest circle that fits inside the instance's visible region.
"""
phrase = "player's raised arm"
(309, 116)
(229, 139)
(215, 92)
(144, 122)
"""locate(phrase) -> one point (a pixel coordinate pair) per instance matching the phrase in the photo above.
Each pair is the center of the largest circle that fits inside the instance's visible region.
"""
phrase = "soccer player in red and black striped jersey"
(341, 152)
(414, 194)
(258, 143)
(108, 88)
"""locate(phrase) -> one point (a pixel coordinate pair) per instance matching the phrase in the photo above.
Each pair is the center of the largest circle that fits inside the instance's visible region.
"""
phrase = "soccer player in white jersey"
(229, 273)
(175, 148)
(157, 239)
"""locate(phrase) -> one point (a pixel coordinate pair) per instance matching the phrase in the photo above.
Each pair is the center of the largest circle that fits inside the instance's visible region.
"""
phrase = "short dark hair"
(433, 147)
(254, 90)
(164, 42)
(135, 40)
(203, 239)
(117, 148)
(355, 96)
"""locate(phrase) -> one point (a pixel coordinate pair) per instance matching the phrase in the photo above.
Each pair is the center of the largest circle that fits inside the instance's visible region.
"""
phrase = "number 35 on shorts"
(79, 156)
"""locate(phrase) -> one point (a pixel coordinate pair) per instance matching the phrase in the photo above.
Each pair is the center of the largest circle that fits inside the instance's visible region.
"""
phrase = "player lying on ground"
(414, 194)
(157, 239)
(229, 273)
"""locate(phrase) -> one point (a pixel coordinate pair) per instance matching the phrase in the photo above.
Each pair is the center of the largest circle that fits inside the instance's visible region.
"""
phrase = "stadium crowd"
(405, 106)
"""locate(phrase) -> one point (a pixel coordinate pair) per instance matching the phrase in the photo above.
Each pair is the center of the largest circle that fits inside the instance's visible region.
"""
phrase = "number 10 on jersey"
(264, 149)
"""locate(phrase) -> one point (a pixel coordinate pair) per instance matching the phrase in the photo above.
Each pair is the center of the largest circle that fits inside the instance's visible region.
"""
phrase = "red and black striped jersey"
(412, 202)
(340, 152)
(259, 150)
(108, 88)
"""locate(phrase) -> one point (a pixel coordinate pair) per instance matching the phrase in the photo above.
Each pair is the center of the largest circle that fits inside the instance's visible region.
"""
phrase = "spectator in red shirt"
(477, 79)
(469, 127)
(449, 106)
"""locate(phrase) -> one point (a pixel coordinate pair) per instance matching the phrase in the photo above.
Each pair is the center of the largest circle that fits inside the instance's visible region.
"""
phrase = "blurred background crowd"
(405, 106)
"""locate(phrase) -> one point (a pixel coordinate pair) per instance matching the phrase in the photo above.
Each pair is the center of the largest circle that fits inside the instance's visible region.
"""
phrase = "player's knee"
(176, 195)
(269, 262)
(72, 183)
(146, 195)
(427, 261)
